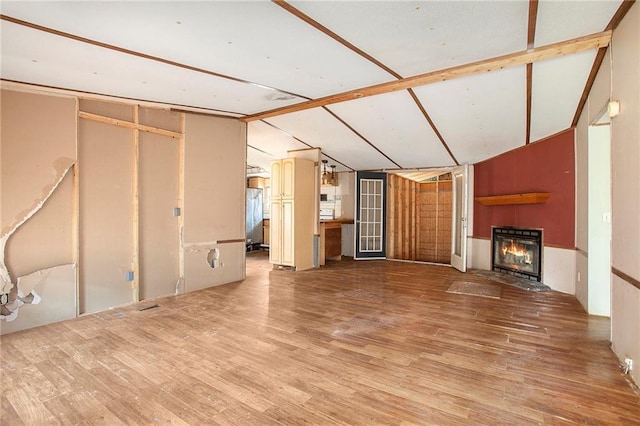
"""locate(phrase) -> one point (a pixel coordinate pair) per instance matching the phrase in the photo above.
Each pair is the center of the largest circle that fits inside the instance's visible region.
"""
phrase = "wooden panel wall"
(401, 218)
(443, 225)
(419, 220)
(428, 217)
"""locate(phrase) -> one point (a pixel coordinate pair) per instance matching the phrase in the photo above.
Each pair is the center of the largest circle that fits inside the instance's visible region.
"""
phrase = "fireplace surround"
(517, 251)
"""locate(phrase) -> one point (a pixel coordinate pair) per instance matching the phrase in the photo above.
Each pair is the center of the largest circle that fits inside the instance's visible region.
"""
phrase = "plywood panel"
(106, 215)
(434, 204)
(159, 231)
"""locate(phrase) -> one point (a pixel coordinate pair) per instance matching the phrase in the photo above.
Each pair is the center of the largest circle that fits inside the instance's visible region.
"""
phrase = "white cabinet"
(292, 213)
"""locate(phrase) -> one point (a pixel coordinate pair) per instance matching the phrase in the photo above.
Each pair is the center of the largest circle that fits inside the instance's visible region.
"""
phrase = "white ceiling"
(246, 57)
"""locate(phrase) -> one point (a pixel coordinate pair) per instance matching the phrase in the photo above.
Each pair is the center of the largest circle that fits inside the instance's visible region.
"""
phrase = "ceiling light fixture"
(614, 108)
(333, 180)
(325, 174)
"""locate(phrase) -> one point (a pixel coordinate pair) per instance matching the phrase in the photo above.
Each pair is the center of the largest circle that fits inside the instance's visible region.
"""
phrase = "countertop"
(342, 221)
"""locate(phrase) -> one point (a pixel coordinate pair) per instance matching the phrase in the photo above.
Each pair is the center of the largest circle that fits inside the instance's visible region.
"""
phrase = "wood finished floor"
(353, 343)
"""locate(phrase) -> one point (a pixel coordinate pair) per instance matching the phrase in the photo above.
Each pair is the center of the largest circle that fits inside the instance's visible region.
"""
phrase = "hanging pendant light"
(325, 174)
(332, 180)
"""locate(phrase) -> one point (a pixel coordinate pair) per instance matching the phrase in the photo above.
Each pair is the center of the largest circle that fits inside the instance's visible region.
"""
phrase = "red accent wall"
(545, 166)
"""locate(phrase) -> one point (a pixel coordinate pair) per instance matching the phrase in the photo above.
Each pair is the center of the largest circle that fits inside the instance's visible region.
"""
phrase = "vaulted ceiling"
(375, 84)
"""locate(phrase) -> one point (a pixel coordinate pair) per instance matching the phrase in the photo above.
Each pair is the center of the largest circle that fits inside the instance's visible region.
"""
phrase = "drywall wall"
(582, 210)
(229, 264)
(56, 289)
(599, 201)
(214, 200)
(159, 231)
(617, 79)
(545, 166)
(105, 157)
(37, 145)
(594, 107)
(625, 196)
(57, 208)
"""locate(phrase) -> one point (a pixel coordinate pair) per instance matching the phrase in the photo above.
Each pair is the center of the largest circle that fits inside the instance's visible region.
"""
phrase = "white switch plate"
(606, 217)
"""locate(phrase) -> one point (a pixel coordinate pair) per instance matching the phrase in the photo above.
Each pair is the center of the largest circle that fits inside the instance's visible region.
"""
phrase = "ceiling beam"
(531, 38)
(533, 19)
(580, 44)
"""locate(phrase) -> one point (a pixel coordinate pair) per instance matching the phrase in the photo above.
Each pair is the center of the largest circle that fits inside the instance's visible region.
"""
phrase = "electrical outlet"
(628, 365)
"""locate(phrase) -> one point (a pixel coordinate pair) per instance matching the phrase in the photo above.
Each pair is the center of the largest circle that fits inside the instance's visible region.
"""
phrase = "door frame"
(381, 254)
(460, 216)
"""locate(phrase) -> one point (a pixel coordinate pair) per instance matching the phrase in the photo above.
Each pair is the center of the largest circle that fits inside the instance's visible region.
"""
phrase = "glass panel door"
(370, 215)
(459, 222)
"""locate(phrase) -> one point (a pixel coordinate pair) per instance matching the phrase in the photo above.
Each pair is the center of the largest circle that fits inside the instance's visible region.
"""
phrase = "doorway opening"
(599, 216)
(420, 216)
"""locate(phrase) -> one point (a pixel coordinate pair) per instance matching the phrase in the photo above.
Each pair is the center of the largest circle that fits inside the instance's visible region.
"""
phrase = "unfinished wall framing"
(94, 196)
(419, 219)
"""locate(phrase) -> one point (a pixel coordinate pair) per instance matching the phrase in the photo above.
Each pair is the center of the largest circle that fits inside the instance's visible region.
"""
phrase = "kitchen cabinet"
(292, 213)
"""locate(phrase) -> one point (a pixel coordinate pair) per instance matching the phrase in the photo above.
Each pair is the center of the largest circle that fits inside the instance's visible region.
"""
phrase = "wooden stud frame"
(135, 261)
(136, 128)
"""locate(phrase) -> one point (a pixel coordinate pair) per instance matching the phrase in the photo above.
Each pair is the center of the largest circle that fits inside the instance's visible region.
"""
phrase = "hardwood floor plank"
(357, 343)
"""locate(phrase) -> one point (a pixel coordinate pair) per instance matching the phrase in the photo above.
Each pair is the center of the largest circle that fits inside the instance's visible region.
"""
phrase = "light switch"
(606, 217)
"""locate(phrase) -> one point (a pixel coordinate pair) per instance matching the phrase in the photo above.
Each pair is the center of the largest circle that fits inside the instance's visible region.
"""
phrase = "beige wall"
(625, 185)
(105, 160)
(598, 99)
(38, 135)
(113, 211)
(625, 195)
(214, 200)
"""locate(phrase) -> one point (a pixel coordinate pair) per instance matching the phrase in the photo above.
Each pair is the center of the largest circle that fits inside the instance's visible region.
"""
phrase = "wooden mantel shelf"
(503, 200)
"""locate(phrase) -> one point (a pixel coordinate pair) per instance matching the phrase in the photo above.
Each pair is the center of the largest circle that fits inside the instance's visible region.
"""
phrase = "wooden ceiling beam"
(531, 38)
(580, 44)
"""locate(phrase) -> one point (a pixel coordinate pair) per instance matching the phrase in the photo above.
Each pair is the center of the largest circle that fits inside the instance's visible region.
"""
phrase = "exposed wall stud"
(136, 207)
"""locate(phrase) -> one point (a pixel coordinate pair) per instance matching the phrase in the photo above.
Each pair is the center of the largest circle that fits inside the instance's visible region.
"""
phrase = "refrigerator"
(254, 217)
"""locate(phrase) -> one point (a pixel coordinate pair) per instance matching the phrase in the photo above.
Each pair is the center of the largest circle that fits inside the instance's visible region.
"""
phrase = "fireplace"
(517, 251)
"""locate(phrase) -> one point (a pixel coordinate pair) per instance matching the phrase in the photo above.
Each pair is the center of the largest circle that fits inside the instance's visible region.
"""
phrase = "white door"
(370, 215)
(460, 176)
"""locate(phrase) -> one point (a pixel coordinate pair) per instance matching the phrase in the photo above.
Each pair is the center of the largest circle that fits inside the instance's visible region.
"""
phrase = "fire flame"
(517, 250)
